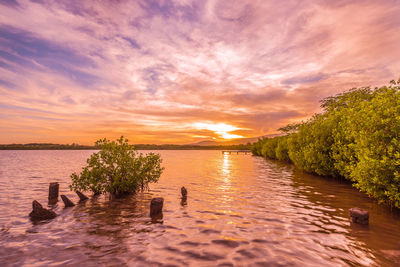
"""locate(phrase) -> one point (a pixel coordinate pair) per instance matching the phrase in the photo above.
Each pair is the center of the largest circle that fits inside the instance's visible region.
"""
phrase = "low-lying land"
(47, 146)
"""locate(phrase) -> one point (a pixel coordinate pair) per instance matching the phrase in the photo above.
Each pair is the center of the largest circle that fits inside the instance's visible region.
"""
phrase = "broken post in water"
(184, 196)
(67, 202)
(81, 196)
(40, 213)
(183, 192)
(359, 216)
(156, 206)
(53, 192)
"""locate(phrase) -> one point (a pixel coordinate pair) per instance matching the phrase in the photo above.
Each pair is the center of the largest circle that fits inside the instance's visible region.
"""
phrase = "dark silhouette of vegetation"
(44, 146)
(117, 169)
(357, 136)
(47, 146)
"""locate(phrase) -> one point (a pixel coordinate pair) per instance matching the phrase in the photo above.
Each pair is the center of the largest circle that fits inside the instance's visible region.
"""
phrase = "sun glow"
(221, 129)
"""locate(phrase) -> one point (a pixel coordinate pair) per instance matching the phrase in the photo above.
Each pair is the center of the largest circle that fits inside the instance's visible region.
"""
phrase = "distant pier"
(236, 151)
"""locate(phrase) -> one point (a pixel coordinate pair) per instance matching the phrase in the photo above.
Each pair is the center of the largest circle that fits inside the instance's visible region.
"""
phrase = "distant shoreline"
(137, 147)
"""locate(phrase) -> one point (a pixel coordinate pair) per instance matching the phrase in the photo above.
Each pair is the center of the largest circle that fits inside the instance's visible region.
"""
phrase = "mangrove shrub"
(357, 136)
(117, 169)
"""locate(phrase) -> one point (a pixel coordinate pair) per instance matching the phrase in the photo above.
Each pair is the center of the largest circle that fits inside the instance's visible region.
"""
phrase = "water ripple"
(241, 210)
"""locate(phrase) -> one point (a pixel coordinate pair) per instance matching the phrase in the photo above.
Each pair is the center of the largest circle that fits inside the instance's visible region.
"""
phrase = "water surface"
(241, 210)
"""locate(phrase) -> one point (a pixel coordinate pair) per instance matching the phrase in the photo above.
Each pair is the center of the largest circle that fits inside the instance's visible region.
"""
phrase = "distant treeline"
(192, 147)
(357, 136)
(46, 146)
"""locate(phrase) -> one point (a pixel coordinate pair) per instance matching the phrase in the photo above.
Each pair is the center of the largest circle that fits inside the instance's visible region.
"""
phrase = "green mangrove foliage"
(117, 169)
(357, 136)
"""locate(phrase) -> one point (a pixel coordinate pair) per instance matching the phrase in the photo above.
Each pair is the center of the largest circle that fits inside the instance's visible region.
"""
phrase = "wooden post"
(81, 196)
(183, 192)
(156, 206)
(40, 213)
(67, 202)
(53, 191)
(359, 216)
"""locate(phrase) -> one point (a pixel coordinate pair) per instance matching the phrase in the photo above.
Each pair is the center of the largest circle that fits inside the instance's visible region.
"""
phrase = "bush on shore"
(357, 136)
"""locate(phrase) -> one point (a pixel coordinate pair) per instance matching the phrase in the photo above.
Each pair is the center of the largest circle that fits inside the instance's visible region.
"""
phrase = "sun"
(222, 129)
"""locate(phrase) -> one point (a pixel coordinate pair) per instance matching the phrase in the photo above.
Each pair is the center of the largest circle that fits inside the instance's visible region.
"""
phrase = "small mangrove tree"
(117, 169)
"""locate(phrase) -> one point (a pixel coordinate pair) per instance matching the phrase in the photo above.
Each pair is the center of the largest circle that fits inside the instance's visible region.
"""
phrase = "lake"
(241, 210)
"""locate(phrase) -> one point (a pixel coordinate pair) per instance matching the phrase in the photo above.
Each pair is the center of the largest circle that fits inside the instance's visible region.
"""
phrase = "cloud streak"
(152, 70)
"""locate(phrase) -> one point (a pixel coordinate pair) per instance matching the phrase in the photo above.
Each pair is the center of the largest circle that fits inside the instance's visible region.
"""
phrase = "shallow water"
(241, 210)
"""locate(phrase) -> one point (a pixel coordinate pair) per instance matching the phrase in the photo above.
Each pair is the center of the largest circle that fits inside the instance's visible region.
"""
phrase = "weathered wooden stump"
(53, 191)
(184, 196)
(156, 206)
(81, 196)
(40, 213)
(67, 202)
(183, 201)
(359, 216)
(52, 202)
(183, 192)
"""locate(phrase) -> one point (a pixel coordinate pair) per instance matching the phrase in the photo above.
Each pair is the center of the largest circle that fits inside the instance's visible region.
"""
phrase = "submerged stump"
(81, 196)
(183, 192)
(40, 213)
(156, 206)
(53, 191)
(67, 202)
(359, 216)
(184, 196)
(183, 201)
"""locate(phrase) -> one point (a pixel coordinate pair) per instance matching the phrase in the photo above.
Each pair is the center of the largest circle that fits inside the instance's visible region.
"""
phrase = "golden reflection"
(225, 184)
(226, 166)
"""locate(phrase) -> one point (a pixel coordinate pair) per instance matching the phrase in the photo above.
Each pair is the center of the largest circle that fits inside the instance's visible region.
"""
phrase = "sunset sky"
(184, 71)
